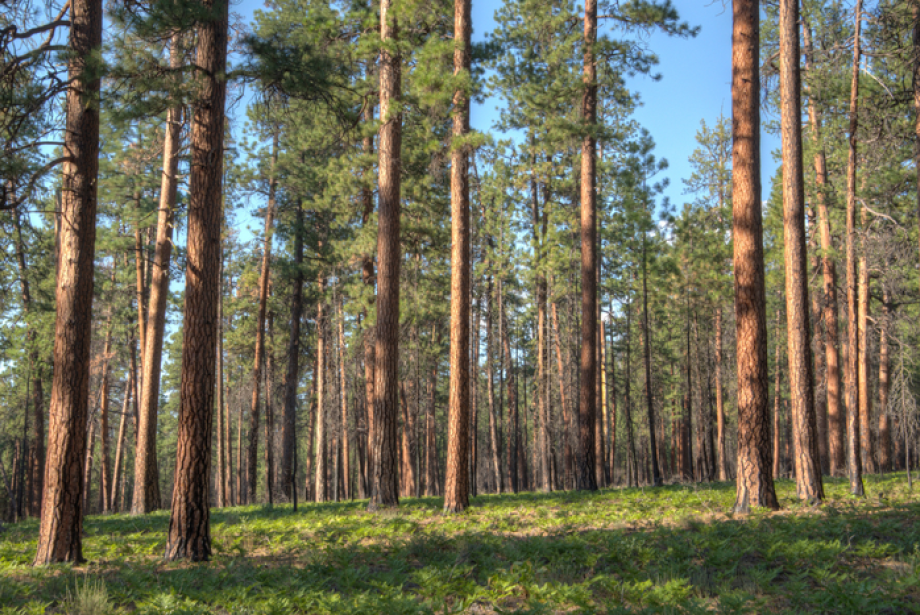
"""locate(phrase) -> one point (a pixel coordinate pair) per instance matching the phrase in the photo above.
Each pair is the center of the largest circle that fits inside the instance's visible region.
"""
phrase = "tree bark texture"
(754, 479)
(457, 479)
(61, 527)
(385, 489)
(798, 317)
(189, 535)
(146, 470)
(585, 478)
(854, 461)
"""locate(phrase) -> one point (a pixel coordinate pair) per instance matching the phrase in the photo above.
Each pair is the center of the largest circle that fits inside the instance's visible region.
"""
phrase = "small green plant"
(88, 598)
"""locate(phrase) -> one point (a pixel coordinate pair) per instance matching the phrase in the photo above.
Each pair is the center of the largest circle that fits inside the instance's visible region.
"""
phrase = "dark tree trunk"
(884, 427)
(189, 534)
(61, 528)
(754, 479)
(385, 489)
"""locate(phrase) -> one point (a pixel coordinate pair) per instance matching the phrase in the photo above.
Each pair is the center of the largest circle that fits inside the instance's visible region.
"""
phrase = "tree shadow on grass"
(335, 558)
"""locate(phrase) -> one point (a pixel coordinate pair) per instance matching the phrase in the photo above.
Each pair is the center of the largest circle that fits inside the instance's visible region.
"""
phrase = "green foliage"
(669, 550)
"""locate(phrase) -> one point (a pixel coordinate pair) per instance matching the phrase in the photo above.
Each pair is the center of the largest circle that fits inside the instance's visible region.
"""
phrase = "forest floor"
(675, 549)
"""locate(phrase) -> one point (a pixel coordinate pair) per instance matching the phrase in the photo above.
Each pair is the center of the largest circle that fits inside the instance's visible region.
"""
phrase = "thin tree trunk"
(120, 443)
(385, 490)
(259, 358)
(61, 528)
(104, 467)
(798, 319)
(189, 534)
(836, 426)
(568, 457)
(754, 480)
(854, 461)
(431, 451)
(494, 440)
(270, 412)
(587, 399)
(720, 404)
(865, 400)
(884, 428)
(153, 325)
(814, 266)
(320, 486)
(343, 398)
(777, 400)
(647, 344)
(221, 445)
(632, 472)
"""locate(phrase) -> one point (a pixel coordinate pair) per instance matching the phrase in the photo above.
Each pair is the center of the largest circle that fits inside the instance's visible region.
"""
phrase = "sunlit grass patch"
(675, 549)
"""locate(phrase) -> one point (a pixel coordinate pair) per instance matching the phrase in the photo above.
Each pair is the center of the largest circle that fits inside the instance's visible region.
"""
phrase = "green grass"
(673, 549)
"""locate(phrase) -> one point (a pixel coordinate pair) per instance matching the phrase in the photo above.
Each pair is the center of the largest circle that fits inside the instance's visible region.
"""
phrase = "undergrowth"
(674, 549)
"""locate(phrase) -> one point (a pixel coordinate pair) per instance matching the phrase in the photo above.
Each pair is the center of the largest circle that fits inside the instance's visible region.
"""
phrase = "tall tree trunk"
(854, 461)
(221, 445)
(494, 439)
(385, 490)
(647, 344)
(587, 399)
(512, 440)
(270, 412)
(720, 404)
(153, 324)
(61, 528)
(474, 399)
(189, 534)
(343, 398)
(104, 467)
(814, 266)
(798, 319)
(264, 276)
(87, 463)
(777, 402)
(915, 13)
(836, 427)
(632, 472)
(320, 486)
(431, 451)
(368, 278)
(539, 221)
(311, 430)
(865, 400)
(884, 428)
(120, 443)
(292, 375)
(754, 480)
(567, 456)
(686, 420)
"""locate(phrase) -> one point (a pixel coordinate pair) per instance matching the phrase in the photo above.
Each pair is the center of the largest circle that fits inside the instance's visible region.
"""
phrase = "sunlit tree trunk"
(146, 469)
(854, 461)
(798, 318)
(61, 527)
(884, 426)
(754, 479)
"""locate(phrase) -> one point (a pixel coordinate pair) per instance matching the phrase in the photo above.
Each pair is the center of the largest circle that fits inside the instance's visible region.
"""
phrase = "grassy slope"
(667, 550)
